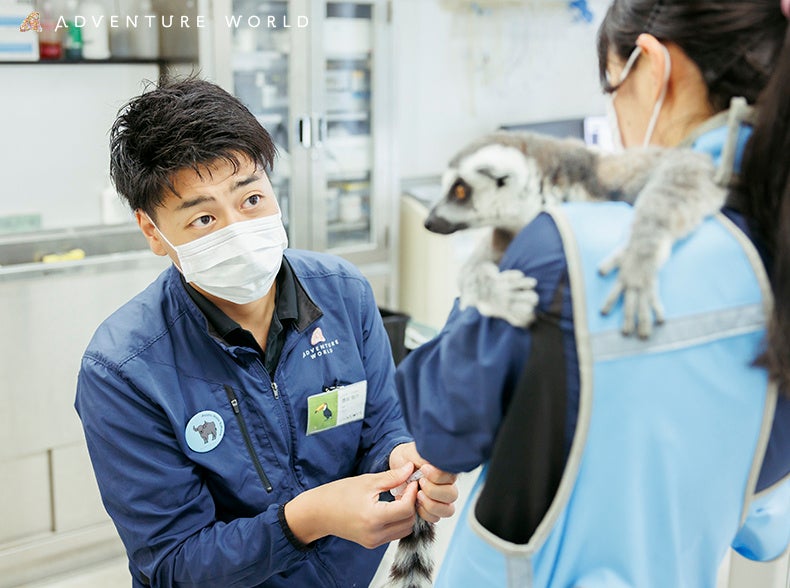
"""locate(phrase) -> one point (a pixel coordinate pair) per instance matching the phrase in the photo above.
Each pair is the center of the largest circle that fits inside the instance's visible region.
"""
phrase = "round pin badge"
(204, 431)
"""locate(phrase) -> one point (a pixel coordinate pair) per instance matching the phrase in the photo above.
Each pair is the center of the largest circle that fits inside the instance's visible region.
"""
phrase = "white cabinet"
(316, 74)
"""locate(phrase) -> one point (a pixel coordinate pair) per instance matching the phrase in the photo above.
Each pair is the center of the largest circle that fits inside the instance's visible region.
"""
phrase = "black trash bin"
(395, 325)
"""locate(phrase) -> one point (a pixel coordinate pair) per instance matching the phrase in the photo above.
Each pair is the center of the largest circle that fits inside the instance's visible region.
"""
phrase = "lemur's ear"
(489, 173)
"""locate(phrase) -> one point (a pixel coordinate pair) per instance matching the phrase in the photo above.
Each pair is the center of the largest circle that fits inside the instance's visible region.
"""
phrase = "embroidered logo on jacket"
(319, 345)
(204, 431)
(318, 336)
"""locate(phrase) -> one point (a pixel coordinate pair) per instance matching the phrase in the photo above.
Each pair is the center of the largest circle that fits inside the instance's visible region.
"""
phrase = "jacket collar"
(304, 310)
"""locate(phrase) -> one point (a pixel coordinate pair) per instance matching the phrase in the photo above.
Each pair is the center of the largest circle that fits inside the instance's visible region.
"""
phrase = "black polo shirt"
(286, 311)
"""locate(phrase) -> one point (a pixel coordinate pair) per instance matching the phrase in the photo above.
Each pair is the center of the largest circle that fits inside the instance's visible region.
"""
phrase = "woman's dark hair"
(742, 48)
(181, 124)
(734, 43)
(763, 194)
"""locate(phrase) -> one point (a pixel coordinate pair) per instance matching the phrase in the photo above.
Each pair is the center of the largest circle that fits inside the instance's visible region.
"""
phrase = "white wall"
(54, 133)
(460, 75)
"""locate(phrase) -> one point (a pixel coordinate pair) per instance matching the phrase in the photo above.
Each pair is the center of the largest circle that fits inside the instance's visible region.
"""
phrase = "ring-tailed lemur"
(503, 181)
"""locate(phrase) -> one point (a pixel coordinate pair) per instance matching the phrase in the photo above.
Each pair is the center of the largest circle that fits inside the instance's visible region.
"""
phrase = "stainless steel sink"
(95, 240)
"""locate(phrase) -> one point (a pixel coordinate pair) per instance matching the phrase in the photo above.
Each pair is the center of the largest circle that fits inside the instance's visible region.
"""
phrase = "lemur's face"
(488, 188)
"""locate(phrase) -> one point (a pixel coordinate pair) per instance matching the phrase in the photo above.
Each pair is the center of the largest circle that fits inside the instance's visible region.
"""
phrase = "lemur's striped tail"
(413, 565)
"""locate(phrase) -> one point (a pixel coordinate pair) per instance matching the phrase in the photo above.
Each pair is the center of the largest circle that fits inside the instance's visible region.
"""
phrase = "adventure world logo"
(32, 22)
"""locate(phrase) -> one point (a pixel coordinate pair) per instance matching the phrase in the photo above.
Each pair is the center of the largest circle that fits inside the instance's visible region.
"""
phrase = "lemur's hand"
(637, 282)
(509, 294)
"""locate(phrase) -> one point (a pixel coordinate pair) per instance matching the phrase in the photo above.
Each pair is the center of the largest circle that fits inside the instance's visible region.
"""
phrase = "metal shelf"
(348, 116)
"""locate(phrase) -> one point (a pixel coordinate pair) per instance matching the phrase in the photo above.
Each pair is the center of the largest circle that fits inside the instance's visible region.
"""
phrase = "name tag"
(335, 407)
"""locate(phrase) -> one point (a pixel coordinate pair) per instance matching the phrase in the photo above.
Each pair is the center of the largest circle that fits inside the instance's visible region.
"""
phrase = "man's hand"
(437, 488)
(350, 509)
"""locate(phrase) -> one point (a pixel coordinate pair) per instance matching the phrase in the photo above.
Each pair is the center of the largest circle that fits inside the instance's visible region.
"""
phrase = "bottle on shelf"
(120, 36)
(72, 36)
(145, 38)
(49, 44)
(95, 33)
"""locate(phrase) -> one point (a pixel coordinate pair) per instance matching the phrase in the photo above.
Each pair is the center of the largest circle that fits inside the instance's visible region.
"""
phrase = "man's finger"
(404, 507)
(436, 475)
(393, 478)
(434, 508)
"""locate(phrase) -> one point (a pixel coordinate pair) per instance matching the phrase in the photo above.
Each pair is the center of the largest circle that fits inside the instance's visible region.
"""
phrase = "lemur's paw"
(475, 283)
(511, 297)
(637, 284)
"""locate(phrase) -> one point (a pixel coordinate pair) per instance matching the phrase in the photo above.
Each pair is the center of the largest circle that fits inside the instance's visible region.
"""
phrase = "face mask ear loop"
(161, 234)
(629, 64)
(657, 109)
(614, 124)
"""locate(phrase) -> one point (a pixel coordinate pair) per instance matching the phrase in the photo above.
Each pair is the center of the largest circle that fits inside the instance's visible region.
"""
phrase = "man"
(240, 412)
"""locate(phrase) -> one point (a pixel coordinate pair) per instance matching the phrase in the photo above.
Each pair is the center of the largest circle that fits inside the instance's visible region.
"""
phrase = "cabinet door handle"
(320, 129)
(305, 132)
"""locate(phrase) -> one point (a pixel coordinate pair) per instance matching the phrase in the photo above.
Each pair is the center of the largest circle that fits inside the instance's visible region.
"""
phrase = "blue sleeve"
(766, 532)
(453, 388)
(383, 427)
(159, 502)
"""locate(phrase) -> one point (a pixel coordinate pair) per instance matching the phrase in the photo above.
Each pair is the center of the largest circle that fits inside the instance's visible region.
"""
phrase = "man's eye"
(254, 199)
(202, 221)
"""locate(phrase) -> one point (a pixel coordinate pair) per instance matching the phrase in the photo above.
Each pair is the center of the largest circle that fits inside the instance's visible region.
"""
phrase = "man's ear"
(658, 58)
(151, 234)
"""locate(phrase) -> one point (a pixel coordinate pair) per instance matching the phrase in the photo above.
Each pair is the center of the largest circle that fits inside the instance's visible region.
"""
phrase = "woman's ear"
(657, 56)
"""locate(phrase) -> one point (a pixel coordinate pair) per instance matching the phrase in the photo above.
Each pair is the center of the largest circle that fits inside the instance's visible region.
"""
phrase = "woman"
(613, 462)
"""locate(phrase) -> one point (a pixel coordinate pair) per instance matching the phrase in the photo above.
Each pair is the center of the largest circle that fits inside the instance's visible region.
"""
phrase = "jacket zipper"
(288, 439)
(234, 404)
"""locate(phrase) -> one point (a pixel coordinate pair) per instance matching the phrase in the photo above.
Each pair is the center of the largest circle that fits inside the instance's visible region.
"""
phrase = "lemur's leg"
(678, 195)
(509, 295)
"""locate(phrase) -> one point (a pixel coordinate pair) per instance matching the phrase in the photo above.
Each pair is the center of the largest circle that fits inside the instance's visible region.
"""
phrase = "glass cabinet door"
(260, 64)
(348, 60)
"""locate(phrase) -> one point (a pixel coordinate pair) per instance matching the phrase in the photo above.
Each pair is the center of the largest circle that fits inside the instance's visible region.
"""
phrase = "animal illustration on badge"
(505, 179)
(326, 410)
(205, 430)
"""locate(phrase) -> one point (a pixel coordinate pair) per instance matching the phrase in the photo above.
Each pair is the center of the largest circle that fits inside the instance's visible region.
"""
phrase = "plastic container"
(72, 36)
(113, 210)
(95, 33)
(145, 38)
(49, 43)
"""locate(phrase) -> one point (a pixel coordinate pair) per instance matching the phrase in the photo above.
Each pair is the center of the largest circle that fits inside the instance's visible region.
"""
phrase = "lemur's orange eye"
(460, 192)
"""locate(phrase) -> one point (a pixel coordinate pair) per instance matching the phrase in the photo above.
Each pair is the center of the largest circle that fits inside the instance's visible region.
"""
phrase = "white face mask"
(611, 113)
(237, 263)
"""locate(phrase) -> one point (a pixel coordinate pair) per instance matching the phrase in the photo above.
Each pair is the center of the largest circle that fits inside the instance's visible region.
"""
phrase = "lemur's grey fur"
(504, 180)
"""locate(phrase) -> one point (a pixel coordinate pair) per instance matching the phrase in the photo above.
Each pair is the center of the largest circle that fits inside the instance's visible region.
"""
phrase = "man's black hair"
(181, 124)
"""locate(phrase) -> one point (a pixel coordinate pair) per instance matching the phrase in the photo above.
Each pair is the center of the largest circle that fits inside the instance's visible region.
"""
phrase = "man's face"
(208, 203)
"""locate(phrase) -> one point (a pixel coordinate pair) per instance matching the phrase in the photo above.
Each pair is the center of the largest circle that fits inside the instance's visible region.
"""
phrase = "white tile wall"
(24, 497)
(76, 497)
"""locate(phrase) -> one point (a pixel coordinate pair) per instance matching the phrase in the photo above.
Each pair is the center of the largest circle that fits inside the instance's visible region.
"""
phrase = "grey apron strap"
(739, 112)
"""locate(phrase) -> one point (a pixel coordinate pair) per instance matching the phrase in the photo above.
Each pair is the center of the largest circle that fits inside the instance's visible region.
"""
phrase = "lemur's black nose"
(437, 224)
